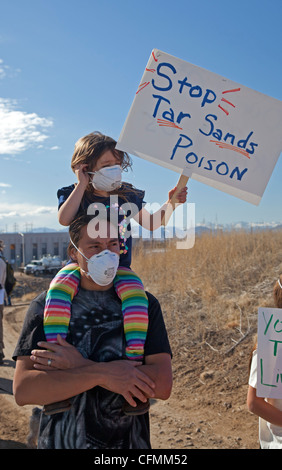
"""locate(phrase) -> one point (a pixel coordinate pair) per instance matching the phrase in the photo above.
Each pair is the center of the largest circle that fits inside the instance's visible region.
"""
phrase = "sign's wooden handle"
(182, 182)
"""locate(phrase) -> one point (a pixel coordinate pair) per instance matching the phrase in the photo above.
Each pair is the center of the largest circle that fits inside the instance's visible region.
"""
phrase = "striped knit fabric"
(134, 306)
(129, 288)
(57, 311)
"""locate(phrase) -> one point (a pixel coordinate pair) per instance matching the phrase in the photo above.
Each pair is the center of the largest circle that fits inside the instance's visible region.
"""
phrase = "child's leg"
(134, 306)
(130, 290)
(57, 313)
(58, 301)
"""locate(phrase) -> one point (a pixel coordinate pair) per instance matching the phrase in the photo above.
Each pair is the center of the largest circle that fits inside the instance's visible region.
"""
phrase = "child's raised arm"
(69, 208)
(154, 221)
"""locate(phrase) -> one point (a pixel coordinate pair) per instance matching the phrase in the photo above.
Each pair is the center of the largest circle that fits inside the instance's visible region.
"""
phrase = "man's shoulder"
(38, 303)
(153, 301)
(150, 296)
(40, 298)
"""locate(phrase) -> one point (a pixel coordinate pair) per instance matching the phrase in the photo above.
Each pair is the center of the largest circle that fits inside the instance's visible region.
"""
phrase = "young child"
(269, 410)
(98, 167)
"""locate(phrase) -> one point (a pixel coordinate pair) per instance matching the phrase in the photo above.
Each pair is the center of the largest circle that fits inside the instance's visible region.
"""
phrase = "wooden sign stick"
(182, 182)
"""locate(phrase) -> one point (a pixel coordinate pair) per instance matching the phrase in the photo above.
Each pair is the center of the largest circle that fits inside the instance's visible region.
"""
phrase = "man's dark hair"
(83, 220)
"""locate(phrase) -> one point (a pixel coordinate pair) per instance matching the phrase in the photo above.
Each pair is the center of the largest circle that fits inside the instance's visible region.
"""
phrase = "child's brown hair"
(91, 147)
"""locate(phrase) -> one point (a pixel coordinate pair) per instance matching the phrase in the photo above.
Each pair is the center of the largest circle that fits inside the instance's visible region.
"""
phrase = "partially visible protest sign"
(188, 119)
(269, 353)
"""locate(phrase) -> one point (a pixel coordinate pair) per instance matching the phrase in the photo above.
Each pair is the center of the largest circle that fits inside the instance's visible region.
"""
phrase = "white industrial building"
(21, 248)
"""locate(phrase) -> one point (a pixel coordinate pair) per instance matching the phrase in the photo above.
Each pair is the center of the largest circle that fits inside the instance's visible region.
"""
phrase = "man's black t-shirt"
(95, 419)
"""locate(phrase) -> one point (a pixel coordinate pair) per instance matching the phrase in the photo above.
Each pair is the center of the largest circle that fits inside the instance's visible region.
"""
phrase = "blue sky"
(69, 67)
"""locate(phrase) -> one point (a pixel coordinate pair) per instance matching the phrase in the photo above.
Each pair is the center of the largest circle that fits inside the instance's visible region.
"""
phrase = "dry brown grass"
(217, 285)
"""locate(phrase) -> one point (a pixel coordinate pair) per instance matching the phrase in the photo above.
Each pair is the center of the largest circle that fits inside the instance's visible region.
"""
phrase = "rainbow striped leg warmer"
(57, 311)
(134, 306)
(129, 288)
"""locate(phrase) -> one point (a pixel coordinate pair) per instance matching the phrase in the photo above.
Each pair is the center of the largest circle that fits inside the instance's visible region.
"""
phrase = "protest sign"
(188, 119)
(269, 353)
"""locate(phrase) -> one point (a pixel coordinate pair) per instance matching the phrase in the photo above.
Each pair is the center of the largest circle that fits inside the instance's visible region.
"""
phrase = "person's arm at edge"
(262, 408)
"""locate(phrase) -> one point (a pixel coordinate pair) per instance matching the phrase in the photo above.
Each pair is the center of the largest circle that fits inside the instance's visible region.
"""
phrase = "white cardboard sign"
(269, 353)
(188, 119)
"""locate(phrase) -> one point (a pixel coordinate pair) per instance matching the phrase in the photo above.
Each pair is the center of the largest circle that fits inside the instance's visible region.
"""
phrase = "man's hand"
(60, 355)
(125, 378)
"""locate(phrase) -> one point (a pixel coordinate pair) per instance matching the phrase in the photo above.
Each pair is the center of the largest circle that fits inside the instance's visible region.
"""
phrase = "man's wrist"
(96, 370)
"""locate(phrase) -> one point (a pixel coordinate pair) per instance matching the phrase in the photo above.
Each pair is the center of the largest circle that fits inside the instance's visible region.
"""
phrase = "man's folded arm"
(39, 387)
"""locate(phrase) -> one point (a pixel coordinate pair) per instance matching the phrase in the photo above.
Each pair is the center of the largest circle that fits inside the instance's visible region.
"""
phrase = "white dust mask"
(102, 267)
(107, 179)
